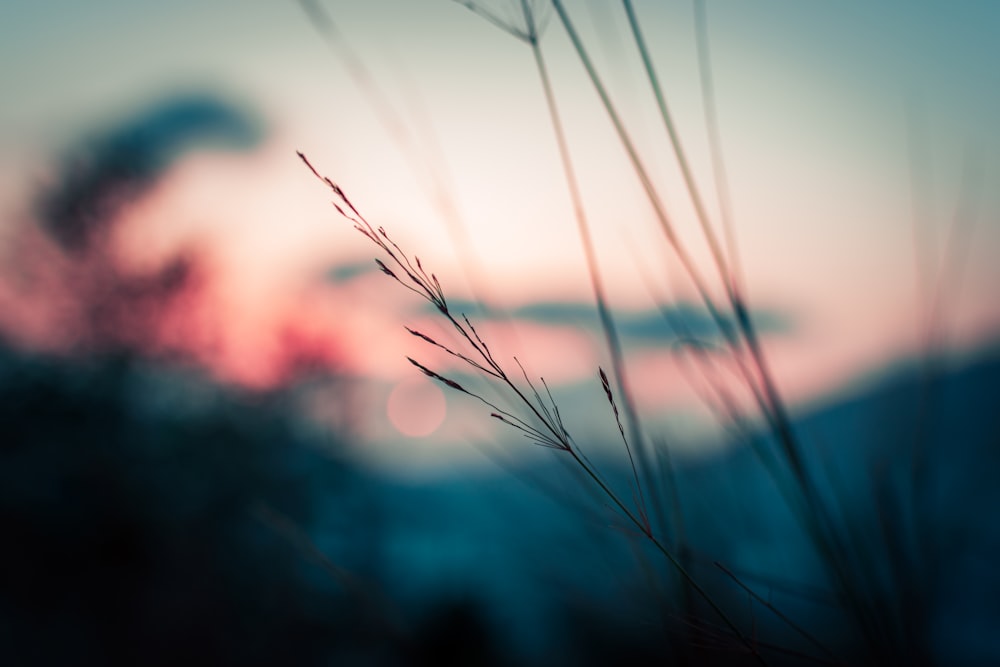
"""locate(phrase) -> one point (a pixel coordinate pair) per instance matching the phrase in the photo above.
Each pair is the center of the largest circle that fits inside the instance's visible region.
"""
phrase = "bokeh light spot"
(416, 407)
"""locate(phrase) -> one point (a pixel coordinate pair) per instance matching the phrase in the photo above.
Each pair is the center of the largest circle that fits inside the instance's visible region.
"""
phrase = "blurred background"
(216, 449)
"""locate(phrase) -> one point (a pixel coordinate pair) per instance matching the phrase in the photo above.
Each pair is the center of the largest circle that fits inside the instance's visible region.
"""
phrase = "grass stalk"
(771, 400)
(774, 404)
(715, 142)
(692, 188)
(428, 171)
(550, 431)
(784, 618)
(814, 515)
(766, 397)
(840, 546)
(612, 338)
(659, 210)
(664, 220)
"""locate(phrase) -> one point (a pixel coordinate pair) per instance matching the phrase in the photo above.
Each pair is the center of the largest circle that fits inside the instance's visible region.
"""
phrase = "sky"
(844, 126)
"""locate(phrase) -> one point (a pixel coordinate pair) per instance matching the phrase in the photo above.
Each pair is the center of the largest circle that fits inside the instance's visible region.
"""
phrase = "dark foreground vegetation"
(150, 517)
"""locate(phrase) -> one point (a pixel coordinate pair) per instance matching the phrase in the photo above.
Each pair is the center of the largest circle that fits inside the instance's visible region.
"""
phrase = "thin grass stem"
(814, 515)
(777, 612)
(608, 327)
(430, 171)
(553, 434)
(654, 82)
(715, 143)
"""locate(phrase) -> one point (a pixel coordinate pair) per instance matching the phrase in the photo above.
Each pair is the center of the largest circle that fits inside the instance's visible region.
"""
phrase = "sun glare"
(416, 407)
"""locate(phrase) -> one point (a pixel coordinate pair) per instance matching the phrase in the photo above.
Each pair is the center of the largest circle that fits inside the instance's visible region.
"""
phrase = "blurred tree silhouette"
(127, 490)
(99, 175)
(129, 525)
(151, 516)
